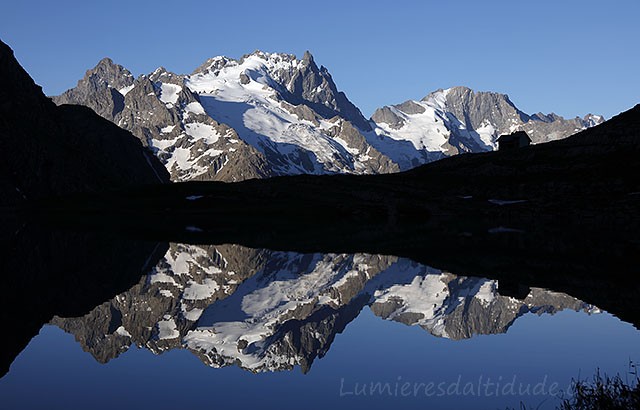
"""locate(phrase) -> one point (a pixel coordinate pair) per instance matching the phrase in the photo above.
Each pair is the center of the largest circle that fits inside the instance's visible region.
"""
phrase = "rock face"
(314, 87)
(457, 120)
(104, 86)
(267, 311)
(62, 150)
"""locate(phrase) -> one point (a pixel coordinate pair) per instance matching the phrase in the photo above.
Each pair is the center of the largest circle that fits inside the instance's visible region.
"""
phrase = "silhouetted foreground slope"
(590, 178)
(49, 150)
(561, 215)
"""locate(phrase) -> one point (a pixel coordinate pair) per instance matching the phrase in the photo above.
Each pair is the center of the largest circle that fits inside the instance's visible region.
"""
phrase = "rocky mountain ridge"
(459, 119)
(269, 114)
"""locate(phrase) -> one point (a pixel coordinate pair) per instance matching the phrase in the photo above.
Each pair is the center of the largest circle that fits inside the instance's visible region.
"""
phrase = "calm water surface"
(229, 326)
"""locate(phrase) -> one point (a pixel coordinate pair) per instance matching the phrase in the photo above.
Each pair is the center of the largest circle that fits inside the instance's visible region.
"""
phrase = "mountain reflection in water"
(268, 310)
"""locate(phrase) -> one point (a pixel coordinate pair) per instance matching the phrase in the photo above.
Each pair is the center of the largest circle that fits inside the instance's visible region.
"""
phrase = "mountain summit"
(458, 120)
(269, 114)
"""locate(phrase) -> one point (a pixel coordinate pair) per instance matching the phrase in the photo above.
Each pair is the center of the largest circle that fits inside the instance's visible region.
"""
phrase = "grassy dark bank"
(601, 392)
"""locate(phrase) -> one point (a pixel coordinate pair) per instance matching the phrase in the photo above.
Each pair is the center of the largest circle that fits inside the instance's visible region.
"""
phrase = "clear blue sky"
(570, 57)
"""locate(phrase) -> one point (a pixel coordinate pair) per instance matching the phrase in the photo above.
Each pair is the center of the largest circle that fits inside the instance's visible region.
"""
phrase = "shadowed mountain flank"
(62, 150)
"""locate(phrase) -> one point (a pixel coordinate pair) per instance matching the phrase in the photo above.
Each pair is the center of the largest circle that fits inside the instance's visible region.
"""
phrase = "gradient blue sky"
(570, 57)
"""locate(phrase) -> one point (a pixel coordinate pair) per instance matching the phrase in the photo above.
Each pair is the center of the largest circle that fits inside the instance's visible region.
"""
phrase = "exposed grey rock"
(410, 107)
(387, 116)
(100, 89)
(315, 87)
(303, 112)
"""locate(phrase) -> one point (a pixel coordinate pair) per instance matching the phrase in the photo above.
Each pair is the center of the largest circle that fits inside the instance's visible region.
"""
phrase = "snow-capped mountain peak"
(268, 114)
(284, 107)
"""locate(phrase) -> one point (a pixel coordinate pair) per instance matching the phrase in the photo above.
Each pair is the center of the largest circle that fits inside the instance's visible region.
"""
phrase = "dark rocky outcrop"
(52, 150)
(387, 116)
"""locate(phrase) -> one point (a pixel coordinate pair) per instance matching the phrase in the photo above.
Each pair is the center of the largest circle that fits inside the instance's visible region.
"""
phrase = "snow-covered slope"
(288, 109)
(458, 119)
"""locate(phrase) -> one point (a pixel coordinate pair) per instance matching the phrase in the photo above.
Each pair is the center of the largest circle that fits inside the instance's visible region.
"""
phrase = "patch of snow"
(169, 93)
(422, 130)
(425, 295)
(487, 292)
(164, 144)
(125, 90)
(506, 201)
(200, 291)
(167, 329)
(161, 277)
(166, 293)
(192, 315)
(202, 131)
(502, 229)
(195, 108)
(122, 332)
(488, 134)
